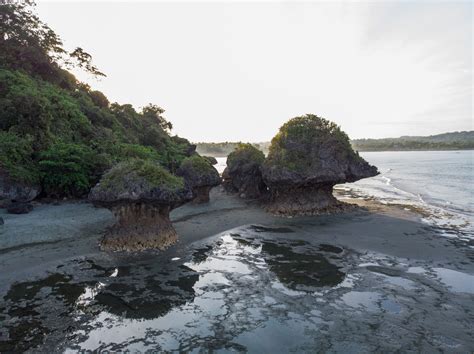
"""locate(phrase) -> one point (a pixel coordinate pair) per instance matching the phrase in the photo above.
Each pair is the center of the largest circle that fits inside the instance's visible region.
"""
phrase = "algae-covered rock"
(140, 194)
(200, 175)
(242, 174)
(307, 157)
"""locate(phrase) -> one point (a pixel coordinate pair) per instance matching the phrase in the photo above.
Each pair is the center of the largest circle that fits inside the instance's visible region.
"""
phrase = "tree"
(28, 43)
(154, 112)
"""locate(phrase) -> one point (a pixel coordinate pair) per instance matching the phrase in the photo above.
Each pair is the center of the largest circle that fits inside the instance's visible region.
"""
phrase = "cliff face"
(307, 158)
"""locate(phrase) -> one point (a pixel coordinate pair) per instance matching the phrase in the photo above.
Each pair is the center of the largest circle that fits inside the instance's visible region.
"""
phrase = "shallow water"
(439, 182)
(257, 288)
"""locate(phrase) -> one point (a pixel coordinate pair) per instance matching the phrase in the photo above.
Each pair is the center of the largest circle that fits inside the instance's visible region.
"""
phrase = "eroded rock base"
(139, 227)
(305, 201)
(201, 194)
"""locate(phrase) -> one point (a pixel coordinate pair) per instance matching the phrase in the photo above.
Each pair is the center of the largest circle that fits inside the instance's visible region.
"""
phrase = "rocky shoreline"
(62, 241)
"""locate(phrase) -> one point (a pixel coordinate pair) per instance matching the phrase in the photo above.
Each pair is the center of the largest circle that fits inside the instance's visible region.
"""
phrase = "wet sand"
(376, 242)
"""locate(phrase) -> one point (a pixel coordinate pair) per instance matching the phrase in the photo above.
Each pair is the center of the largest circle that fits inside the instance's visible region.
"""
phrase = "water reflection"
(248, 290)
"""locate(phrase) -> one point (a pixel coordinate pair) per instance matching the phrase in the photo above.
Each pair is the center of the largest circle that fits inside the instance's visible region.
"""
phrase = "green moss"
(197, 164)
(153, 173)
(245, 152)
(292, 145)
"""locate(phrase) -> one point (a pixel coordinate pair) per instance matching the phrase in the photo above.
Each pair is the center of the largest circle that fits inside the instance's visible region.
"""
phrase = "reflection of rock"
(300, 270)
(200, 175)
(35, 312)
(153, 298)
(23, 317)
(307, 158)
(19, 208)
(140, 194)
(242, 174)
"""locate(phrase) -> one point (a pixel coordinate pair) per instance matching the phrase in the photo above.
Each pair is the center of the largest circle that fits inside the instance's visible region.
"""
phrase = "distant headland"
(463, 140)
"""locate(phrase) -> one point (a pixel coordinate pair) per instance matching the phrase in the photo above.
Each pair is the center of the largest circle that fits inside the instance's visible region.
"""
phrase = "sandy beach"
(389, 241)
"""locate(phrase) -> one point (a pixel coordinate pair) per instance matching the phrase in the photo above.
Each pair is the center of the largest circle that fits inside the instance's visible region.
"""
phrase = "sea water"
(439, 182)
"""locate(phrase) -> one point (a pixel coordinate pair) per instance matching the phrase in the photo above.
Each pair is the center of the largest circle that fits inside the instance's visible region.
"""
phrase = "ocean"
(439, 182)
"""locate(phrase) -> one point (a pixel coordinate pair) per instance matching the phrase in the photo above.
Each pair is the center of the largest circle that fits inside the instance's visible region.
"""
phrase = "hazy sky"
(238, 70)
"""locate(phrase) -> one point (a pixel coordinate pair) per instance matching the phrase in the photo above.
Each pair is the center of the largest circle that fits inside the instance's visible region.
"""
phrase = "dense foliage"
(293, 145)
(57, 131)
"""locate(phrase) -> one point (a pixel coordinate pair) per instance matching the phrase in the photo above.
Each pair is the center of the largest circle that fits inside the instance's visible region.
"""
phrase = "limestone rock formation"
(243, 172)
(141, 194)
(200, 176)
(307, 158)
(15, 190)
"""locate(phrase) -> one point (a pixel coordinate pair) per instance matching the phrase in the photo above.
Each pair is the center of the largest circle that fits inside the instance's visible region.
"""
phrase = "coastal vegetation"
(57, 132)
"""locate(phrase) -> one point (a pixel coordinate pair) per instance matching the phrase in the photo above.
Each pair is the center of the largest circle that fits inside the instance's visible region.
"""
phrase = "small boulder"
(243, 172)
(306, 159)
(141, 195)
(1, 221)
(200, 175)
(14, 189)
(19, 208)
(4, 203)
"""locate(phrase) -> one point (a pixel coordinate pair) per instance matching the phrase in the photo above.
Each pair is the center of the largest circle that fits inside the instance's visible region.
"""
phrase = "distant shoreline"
(439, 150)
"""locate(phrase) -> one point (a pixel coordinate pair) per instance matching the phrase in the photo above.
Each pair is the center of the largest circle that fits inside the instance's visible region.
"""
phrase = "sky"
(236, 71)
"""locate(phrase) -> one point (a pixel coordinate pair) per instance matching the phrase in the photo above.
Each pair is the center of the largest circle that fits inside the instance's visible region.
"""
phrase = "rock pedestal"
(139, 226)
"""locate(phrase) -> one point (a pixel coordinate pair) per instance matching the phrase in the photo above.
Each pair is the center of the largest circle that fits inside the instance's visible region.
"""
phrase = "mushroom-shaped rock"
(200, 176)
(141, 194)
(307, 157)
(243, 172)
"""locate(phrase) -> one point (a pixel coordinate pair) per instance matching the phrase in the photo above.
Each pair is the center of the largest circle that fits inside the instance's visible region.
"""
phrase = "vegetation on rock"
(293, 146)
(200, 175)
(135, 179)
(243, 172)
(245, 153)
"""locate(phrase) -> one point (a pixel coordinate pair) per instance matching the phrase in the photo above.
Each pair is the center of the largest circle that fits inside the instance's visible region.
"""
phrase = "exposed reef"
(307, 157)
(200, 176)
(140, 194)
(243, 172)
